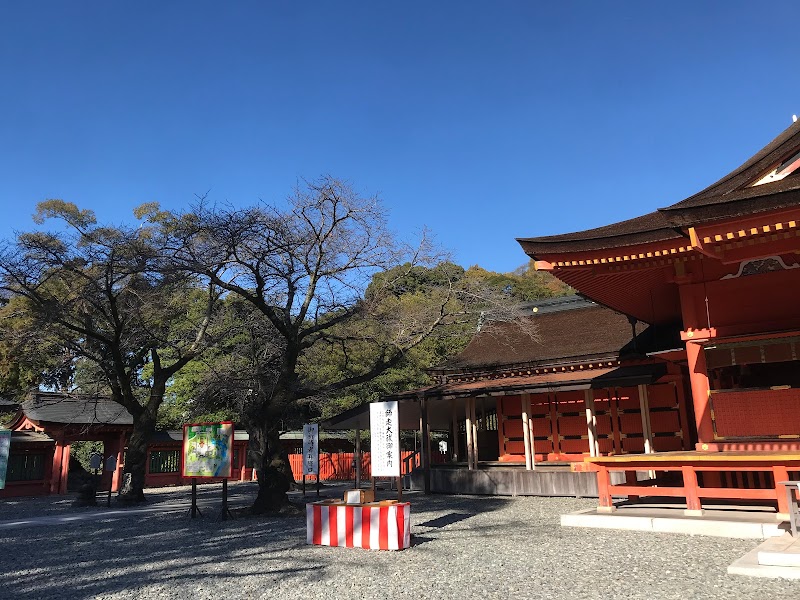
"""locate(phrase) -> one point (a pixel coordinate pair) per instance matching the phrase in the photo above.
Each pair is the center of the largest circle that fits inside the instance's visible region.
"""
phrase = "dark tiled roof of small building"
(8, 404)
(81, 410)
(589, 331)
(597, 378)
(730, 197)
(30, 437)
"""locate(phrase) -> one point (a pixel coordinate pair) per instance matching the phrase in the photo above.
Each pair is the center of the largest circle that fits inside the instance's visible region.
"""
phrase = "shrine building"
(675, 374)
(722, 267)
(526, 401)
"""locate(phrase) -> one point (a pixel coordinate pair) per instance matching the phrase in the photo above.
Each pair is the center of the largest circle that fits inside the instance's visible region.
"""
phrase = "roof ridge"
(740, 177)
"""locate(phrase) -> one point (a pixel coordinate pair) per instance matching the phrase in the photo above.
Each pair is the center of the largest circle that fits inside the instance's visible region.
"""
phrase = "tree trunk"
(132, 489)
(144, 424)
(272, 468)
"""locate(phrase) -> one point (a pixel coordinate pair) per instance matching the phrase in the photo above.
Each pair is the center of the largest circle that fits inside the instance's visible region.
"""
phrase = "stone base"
(661, 522)
(772, 550)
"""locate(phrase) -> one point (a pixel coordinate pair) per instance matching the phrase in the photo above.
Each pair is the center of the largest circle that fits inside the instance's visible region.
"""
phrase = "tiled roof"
(597, 378)
(30, 437)
(563, 336)
(652, 227)
(81, 410)
(730, 197)
(735, 184)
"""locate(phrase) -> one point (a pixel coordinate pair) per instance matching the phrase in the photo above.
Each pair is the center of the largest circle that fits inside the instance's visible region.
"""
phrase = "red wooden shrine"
(723, 269)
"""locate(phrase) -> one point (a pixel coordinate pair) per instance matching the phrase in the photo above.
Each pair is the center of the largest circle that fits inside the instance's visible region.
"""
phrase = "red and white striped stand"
(371, 526)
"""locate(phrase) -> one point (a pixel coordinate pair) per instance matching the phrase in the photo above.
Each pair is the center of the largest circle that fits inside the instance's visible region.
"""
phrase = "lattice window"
(25, 467)
(165, 461)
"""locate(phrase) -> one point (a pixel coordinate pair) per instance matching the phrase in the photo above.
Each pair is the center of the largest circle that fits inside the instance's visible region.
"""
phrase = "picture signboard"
(5, 448)
(311, 449)
(385, 435)
(207, 450)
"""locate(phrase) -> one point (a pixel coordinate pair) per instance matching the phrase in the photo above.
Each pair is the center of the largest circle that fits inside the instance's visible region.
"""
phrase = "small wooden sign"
(95, 461)
(111, 463)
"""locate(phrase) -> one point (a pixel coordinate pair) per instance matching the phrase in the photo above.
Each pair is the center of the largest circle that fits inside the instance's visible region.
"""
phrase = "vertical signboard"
(311, 449)
(5, 448)
(385, 434)
(207, 449)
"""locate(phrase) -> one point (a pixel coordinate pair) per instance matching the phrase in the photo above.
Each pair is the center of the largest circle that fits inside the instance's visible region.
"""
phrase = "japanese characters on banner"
(207, 449)
(311, 449)
(385, 434)
(5, 448)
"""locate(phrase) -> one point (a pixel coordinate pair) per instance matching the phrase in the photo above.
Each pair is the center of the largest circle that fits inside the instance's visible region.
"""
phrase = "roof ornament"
(481, 320)
(794, 118)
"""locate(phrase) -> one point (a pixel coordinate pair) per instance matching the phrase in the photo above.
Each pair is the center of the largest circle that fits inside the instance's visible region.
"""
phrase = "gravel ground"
(23, 508)
(464, 547)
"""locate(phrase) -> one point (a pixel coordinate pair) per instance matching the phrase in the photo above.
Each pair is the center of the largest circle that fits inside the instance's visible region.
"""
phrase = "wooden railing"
(341, 465)
(696, 476)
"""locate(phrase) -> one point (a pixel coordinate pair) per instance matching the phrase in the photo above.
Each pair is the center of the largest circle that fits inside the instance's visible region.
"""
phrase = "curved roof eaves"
(652, 227)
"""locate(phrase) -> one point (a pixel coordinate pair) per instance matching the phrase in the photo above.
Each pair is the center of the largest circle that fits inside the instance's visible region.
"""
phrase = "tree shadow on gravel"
(446, 520)
(167, 552)
(101, 558)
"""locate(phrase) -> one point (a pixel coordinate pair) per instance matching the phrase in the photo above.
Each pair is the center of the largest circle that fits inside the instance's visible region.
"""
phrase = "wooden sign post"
(310, 453)
(207, 453)
(385, 443)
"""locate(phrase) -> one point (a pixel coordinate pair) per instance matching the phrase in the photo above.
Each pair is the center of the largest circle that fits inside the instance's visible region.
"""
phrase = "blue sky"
(483, 121)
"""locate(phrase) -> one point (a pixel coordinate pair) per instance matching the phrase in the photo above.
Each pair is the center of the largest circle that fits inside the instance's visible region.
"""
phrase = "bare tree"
(105, 294)
(304, 268)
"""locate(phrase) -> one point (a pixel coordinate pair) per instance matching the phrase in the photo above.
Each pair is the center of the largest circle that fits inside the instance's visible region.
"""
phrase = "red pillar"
(605, 502)
(55, 469)
(555, 440)
(62, 488)
(781, 473)
(692, 491)
(698, 376)
(118, 450)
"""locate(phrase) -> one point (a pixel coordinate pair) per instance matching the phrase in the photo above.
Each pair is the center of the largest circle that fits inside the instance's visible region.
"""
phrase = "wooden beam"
(116, 477)
(591, 422)
(647, 431)
(56, 468)
(468, 426)
(426, 444)
(453, 449)
(525, 400)
(358, 457)
(62, 489)
(531, 435)
(698, 377)
(474, 434)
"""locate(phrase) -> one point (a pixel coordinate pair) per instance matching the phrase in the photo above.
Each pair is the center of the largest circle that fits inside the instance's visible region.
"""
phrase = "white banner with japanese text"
(311, 449)
(385, 435)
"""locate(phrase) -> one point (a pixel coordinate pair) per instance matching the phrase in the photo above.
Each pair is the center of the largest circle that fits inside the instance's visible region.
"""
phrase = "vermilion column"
(56, 468)
(62, 486)
(118, 451)
(698, 376)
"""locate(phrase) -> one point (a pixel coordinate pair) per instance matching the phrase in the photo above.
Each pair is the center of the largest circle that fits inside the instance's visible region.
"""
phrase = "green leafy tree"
(29, 358)
(105, 295)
